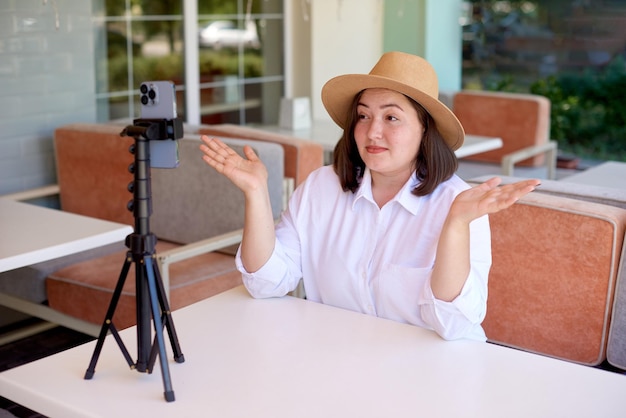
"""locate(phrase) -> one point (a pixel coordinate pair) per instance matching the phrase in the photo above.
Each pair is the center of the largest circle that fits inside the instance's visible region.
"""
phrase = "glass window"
(571, 51)
(511, 44)
(240, 59)
(240, 56)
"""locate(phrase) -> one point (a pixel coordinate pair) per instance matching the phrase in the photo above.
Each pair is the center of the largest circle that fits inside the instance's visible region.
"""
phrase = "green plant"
(170, 67)
(588, 111)
(227, 62)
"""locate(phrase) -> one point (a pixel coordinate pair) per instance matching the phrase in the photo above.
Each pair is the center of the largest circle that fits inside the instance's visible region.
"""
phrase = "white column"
(443, 41)
(430, 29)
(191, 57)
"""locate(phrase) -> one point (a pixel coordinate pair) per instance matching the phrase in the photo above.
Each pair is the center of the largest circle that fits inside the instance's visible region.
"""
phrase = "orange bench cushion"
(551, 283)
(94, 157)
(520, 120)
(84, 290)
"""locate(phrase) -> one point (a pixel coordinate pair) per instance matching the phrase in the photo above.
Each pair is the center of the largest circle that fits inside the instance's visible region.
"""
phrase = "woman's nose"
(375, 129)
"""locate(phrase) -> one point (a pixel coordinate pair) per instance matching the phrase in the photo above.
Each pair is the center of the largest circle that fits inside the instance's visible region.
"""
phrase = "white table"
(288, 357)
(475, 144)
(608, 174)
(328, 133)
(31, 234)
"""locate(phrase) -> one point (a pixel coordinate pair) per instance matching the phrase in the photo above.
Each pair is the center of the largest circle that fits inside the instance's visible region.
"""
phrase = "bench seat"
(84, 289)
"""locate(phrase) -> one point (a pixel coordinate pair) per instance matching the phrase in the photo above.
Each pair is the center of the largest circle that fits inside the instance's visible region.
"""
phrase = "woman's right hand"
(248, 174)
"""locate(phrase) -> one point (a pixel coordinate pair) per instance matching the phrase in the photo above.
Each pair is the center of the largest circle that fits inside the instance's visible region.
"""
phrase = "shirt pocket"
(400, 290)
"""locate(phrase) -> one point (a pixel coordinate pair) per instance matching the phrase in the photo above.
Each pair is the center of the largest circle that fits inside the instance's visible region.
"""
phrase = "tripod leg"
(120, 343)
(158, 328)
(144, 315)
(108, 322)
(168, 321)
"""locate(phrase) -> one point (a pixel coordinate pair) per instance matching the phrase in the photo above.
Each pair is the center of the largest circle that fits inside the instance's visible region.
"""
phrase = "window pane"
(572, 52)
(217, 7)
(267, 6)
(146, 43)
(161, 55)
(155, 8)
(267, 95)
(119, 45)
(271, 53)
(109, 7)
(516, 43)
(111, 108)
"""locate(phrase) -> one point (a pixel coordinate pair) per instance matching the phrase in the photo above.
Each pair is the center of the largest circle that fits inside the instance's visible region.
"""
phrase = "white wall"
(339, 37)
(428, 28)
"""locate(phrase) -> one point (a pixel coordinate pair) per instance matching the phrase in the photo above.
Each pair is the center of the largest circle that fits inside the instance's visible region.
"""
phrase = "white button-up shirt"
(354, 255)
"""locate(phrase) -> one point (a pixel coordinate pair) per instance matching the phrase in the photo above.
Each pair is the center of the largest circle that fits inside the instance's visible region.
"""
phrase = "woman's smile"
(375, 149)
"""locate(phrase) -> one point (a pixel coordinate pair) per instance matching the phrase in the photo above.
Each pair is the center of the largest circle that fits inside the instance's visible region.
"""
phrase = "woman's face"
(388, 132)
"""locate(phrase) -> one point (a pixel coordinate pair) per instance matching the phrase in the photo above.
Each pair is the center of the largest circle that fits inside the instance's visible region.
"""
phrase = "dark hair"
(434, 163)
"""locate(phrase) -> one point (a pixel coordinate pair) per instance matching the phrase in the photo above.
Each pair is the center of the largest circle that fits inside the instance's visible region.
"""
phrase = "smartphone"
(158, 101)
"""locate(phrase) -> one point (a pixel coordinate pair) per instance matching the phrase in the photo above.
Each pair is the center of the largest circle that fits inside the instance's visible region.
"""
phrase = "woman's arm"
(452, 262)
(250, 176)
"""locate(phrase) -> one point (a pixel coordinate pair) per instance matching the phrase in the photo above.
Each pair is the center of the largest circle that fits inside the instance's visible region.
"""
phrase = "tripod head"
(155, 129)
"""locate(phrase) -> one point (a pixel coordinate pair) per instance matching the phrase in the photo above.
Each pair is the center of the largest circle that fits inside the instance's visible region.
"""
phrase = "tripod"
(150, 293)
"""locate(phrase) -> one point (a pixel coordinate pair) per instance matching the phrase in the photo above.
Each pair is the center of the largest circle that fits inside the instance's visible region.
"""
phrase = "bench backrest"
(520, 120)
(551, 285)
(190, 202)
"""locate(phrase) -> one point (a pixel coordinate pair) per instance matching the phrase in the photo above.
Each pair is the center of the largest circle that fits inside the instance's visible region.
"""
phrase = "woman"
(389, 229)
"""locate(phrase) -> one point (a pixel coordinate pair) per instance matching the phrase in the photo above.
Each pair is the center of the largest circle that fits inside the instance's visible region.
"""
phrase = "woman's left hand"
(489, 197)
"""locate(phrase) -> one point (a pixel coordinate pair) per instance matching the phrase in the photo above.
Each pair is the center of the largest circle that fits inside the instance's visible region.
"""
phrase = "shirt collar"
(405, 198)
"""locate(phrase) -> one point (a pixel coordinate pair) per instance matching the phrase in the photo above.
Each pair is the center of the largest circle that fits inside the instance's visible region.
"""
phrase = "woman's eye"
(391, 118)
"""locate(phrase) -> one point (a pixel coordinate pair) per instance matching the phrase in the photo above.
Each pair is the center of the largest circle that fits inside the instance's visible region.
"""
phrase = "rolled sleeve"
(271, 280)
(460, 318)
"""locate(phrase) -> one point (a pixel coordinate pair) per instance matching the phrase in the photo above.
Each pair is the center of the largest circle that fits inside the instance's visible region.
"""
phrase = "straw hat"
(408, 74)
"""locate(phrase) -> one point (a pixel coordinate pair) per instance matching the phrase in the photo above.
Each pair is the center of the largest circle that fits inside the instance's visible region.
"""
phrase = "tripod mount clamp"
(155, 129)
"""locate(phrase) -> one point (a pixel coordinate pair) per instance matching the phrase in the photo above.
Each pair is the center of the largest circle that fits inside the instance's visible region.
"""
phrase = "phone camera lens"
(143, 88)
(144, 100)
(152, 94)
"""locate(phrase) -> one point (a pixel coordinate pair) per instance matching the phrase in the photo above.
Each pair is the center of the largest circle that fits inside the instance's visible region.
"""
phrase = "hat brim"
(338, 93)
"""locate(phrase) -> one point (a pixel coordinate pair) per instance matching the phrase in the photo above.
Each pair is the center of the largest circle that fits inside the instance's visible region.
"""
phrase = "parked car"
(224, 34)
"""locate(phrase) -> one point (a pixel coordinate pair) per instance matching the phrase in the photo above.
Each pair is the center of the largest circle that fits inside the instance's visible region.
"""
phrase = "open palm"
(247, 173)
(488, 198)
